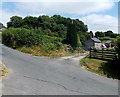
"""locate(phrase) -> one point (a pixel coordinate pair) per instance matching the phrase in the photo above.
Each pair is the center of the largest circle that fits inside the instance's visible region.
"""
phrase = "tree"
(78, 41)
(9, 24)
(70, 30)
(59, 19)
(80, 26)
(90, 34)
(108, 33)
(45, 22)
(31, 22)
(15, 21)
(99, 34)
(114, 35)
(83, 36)
(72, 35)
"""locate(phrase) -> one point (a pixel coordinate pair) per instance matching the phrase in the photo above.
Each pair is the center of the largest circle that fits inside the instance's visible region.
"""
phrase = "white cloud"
(37, 7)
(101, 22)
(79, 8)
(59, 0)
(5, 16)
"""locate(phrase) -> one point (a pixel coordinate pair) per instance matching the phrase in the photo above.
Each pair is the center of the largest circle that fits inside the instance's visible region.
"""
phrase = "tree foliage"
(15, 21)
(108, 33)
(55, 26)
(99, 34)
(18, 37)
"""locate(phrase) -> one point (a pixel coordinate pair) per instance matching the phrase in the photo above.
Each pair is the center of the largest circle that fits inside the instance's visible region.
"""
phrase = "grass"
(3, 70)
(109, 69)
(107, 38)
(39, 51)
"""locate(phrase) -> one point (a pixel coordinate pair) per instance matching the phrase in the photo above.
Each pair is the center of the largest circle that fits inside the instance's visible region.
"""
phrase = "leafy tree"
(15, 21)
(80, 26)
(90, 34)
(99, 34)
(114, 35)
(83, 36)
(70, 30)
(108, 33)
(9, 24)
(47, 32)
(78, 41)
(45, 22)
(26, 26)
(72, 37)
(59, 19)
(31, 22)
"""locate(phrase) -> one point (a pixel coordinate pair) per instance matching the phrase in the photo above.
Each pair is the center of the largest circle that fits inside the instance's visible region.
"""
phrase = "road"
(32, 75)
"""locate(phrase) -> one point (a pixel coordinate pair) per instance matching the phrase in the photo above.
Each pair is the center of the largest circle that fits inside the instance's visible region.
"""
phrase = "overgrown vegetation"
(21, 37)
(108, 35)
(40, 51)
(58, 36)
(107, 38)
(50, 34)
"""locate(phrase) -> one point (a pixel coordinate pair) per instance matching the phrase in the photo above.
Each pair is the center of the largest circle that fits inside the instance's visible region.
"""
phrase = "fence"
(103, 54)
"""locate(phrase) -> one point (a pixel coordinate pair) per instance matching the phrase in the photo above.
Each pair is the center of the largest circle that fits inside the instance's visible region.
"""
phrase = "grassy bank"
(3, 70)
(39, 51)
(109, 69)
(107, 38)
(34, 43)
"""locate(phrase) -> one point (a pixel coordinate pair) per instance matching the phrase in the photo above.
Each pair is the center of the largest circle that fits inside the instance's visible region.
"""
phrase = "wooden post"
(102, 54)
(90, 52)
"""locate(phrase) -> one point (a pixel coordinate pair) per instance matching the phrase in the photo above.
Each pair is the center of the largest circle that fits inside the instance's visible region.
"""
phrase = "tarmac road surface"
(32, 75)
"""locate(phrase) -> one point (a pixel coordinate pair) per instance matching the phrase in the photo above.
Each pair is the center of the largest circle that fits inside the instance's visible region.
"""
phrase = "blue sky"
(100, 15)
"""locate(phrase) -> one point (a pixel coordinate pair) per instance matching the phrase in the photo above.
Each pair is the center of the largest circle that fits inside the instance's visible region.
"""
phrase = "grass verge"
(3, 70)
(110, 69)
(39, 51)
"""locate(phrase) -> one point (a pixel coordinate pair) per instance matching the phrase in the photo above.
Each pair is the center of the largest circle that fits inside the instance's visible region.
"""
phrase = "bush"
(114, 35)
(18, 37)
(51, 43)
(106, 38)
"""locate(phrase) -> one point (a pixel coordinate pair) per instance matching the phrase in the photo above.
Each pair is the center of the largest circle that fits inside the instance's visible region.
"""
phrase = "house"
(103, 46)
(109, 43)
(1, 29)
(93, 42)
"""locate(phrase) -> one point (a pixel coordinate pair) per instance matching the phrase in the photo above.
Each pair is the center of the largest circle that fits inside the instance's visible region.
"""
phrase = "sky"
(99, 15)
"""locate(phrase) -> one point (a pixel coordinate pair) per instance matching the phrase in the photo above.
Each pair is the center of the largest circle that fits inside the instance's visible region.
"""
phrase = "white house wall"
(98, 45)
